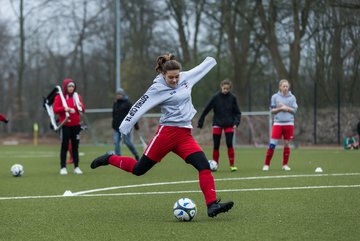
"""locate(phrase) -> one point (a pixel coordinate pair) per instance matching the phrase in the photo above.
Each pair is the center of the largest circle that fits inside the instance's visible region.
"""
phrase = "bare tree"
(238, 32)
(178, 10)
(83, 25)
(141, 42)
(187, 16)
(296, 29)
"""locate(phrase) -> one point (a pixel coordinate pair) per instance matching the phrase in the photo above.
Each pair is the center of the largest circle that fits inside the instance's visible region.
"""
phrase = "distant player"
(358, 130)
(226, 117)
(351, 142)
(3, 119)
(171, 90)
(120, 109)
(283, 106)
(70, 131)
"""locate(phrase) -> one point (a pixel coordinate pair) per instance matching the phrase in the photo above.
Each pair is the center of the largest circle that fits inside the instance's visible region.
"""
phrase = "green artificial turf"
(273, 205)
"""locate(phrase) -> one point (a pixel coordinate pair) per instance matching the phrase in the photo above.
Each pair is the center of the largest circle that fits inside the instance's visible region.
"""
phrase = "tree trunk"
(178, 8)
(272, 44)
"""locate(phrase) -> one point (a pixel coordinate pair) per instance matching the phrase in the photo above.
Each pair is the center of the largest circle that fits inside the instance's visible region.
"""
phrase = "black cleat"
(216, 207)
(101, 160)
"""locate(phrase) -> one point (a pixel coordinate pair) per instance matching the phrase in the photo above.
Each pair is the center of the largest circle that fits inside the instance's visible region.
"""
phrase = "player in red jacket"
(3, 119)
(70, 131)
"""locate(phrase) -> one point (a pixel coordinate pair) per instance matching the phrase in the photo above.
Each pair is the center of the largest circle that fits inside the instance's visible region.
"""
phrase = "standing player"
(121, 107)
(284, 107)
(226, 117)
(70, 131)
(358, 130)
(171, 89)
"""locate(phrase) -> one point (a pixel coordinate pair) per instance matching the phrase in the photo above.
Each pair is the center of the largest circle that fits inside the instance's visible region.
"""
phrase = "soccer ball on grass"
(213, 165)
(17, 170)
(184, 209)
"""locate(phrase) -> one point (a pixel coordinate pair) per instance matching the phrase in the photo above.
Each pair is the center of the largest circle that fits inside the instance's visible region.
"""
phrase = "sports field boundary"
(90, 193)
(216, 180)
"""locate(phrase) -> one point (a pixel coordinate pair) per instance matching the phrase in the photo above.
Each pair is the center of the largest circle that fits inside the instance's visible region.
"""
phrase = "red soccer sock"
(216, 155)
(71, 160)
(231, 155)
(269, 155)
(286, 155)
(207, 185)
(123, 162)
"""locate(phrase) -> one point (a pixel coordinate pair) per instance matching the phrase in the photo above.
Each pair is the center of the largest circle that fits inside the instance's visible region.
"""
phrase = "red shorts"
(217, 129)
(286, 131)
(171, 138)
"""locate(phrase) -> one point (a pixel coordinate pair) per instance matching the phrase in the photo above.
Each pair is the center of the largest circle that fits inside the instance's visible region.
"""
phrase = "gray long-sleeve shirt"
(176, 104)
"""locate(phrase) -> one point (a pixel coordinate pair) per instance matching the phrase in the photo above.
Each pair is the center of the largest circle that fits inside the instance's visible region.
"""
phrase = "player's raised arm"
(146, 102)
(195, 74)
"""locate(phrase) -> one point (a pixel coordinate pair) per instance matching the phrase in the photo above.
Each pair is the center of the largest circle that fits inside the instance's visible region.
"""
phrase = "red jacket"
(3, 118)
(59, 109)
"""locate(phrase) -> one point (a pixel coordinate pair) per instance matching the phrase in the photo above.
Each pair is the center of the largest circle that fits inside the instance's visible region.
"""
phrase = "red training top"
(59, 109)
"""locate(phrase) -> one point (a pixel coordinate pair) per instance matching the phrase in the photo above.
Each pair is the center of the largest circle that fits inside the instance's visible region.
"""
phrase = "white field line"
(186, 191)
(222, 190)
(216, 180)
(85, 193)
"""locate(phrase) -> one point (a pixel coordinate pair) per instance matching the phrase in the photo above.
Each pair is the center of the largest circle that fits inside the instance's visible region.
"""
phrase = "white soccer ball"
(213, 165)
(184, 209)
(17, 170)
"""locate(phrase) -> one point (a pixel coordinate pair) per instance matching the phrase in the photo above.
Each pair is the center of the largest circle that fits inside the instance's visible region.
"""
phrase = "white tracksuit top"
(176, 104)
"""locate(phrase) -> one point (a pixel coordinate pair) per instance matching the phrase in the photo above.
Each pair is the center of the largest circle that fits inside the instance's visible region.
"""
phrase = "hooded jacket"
(175, 103)
(59, 109)
(3, 118)
(120, 110)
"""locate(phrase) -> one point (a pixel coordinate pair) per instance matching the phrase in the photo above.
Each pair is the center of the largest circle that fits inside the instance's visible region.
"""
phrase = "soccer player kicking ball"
(284, 107)
(171, 90)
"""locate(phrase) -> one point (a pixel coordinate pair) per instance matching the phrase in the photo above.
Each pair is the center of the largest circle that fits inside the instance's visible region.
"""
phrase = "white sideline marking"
(222, 190)
(188, 191)
(85, 193)
(216, 180)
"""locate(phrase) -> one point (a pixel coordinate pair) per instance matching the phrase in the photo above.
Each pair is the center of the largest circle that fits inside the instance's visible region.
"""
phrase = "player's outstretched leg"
(101, 160)
(217, 207)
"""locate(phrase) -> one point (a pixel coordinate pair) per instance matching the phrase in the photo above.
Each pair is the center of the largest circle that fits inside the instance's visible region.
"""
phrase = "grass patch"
(263, 209)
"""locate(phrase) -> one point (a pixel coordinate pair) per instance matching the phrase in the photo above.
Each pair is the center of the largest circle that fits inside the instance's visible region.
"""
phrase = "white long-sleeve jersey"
(176, 104)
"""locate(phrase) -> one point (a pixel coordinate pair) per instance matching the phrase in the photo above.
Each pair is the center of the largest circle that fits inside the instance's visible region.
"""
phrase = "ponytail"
(166, 62)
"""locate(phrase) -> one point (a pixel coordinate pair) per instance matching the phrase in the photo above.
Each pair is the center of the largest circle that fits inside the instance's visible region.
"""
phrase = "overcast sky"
(6, 11)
